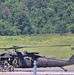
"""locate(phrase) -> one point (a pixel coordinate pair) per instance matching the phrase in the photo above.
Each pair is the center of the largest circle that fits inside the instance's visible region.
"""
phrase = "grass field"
(60, 52)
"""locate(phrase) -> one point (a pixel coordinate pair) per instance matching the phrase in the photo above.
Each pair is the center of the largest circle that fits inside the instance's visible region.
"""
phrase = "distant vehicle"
(26, 59)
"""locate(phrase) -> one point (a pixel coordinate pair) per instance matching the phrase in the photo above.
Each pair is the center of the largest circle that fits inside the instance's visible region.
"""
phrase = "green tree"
(71, 28)
(36, 16)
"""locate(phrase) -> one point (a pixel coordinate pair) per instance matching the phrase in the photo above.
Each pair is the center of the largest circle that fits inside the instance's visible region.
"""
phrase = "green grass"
(60, 52)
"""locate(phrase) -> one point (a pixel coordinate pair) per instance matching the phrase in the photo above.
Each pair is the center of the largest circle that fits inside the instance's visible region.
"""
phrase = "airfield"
(60, 52)
(41, 71)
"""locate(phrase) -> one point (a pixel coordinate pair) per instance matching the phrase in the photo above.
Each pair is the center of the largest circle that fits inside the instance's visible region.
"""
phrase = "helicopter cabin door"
(28, 62)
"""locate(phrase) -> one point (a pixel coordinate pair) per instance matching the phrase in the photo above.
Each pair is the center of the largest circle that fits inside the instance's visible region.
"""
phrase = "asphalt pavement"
(41, 71)
(48, 69)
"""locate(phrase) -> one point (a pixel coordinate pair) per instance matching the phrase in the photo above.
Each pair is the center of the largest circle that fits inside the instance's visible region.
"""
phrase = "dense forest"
(19, 17)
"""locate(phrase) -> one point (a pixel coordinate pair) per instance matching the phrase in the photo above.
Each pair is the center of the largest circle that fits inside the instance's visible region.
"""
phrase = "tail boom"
(71, 60)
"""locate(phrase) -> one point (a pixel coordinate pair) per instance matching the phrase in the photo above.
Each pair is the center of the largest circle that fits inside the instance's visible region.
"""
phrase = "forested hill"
(36, 16)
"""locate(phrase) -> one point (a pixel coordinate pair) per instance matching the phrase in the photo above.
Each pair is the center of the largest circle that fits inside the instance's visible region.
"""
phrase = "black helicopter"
(26, 59)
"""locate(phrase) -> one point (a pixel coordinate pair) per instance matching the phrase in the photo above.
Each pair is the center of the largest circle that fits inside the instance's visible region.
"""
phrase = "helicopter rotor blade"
(18, 47)
(59, 45)
(13, 47)
(45, 46)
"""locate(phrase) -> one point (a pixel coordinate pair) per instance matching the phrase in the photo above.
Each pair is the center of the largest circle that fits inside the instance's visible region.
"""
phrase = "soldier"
(7, 67)
(15, 62)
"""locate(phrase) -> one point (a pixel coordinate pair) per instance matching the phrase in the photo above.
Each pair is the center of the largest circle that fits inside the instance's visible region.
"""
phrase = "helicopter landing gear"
(63, 69)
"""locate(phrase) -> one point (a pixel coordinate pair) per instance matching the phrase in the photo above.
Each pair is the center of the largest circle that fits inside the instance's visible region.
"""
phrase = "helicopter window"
(27, 58)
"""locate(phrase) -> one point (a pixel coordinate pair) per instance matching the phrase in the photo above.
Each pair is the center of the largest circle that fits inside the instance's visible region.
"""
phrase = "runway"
(41, 71)
(52, 69)
(38, 73)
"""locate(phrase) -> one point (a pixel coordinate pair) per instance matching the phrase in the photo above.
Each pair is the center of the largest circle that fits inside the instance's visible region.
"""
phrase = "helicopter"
(26, 59)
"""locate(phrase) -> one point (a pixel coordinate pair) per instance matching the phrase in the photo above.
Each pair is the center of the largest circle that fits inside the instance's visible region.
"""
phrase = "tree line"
(36, 17)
